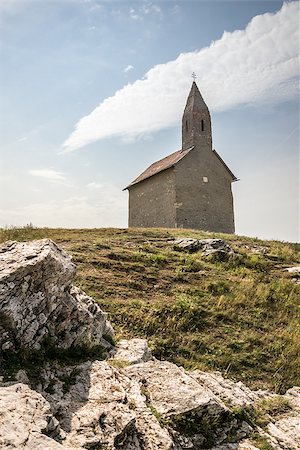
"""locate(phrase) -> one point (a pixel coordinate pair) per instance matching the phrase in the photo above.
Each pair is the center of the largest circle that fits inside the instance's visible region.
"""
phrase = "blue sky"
(92, 92)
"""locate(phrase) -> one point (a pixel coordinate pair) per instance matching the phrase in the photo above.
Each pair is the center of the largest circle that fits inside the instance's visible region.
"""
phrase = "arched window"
(202, 125)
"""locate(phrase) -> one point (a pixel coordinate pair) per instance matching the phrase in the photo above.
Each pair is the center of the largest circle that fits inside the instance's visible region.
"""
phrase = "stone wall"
(203, 193)
(151, 202)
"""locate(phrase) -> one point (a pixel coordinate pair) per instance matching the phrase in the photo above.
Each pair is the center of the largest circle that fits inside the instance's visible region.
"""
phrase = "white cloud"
(134, 15)
(128, 68)
(150, 8)
(48, 174)
(250, 66)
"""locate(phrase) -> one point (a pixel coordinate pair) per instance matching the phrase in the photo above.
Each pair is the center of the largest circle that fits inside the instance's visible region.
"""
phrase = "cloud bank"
(250, 66)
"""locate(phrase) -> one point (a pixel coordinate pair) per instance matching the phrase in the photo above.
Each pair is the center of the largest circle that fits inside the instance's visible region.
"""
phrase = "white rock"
(24, 418)
(235, 394)
(171, 391)
(132, 351)
(295, 269)
(45, 305)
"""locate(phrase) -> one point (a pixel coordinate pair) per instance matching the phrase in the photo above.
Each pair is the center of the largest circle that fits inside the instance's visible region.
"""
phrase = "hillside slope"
(240, 316)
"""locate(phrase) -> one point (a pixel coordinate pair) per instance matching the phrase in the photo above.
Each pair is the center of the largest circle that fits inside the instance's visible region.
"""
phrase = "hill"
(239, 316)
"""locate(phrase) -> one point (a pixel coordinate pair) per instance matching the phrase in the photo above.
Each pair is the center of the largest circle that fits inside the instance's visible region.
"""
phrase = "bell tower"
(196, 122)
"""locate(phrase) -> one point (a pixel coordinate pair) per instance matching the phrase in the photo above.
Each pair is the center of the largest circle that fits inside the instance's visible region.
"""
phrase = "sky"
(92, 92)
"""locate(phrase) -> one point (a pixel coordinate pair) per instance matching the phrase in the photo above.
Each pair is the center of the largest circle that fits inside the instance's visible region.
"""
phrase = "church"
(190, 188)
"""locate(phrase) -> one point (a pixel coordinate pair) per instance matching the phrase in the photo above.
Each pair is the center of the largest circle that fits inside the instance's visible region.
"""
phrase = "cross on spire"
(194, 76)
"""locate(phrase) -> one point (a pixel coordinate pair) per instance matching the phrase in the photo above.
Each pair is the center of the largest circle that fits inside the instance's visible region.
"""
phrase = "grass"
(240, 316)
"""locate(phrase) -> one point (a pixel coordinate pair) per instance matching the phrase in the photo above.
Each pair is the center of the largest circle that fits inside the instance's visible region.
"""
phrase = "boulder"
(214, 248)
(39, 307)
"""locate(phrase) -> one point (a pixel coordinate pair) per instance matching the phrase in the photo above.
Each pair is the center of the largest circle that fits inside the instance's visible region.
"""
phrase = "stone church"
(190, 188)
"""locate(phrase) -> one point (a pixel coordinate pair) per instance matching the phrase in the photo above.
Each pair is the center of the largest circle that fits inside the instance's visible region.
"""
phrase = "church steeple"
(196, 123)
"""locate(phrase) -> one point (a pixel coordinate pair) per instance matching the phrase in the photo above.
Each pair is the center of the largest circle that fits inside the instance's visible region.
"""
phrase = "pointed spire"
(195, 99)
(196, 123)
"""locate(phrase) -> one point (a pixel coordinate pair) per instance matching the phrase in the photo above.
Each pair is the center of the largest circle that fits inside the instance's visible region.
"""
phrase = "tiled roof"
(161, 165)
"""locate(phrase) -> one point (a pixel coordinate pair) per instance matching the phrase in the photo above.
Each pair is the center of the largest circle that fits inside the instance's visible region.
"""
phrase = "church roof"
(159, 166)
(234, 178)
(170, 161)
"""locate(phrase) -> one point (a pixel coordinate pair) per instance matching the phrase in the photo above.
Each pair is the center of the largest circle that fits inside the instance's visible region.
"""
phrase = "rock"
(153, 405)
(234, 394)
(293, 397)
(295, 269)
(188, 244)
(38, 304)
(171, 391)
(284, 432)
(25, 420)
(102, 406)
(295, 272)
(214, 248)
(131, 351)
(194, 414)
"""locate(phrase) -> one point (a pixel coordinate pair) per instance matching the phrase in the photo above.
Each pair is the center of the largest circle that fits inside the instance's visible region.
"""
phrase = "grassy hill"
(240, 317)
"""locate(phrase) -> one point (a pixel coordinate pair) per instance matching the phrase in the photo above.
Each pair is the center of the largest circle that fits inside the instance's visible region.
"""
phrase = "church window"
(186, 126)
(202, 125)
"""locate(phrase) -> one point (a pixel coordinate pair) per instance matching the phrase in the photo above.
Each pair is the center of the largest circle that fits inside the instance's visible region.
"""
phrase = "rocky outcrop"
(153, 405)
(217, 249)
(193, 415)
(130, 401)
(39, 306)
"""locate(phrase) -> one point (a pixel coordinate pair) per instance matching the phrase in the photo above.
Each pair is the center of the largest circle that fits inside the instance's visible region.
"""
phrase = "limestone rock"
(194, 414)
(215, 248)
(25, 420)
(38, 302)
(101, 406)
(234, 394)
(295, 273)
(132, 351)
(284, 432)
(187, 244)
(295, 269)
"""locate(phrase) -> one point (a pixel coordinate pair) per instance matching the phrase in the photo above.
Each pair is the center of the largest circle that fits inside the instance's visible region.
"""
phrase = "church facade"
(190, 188)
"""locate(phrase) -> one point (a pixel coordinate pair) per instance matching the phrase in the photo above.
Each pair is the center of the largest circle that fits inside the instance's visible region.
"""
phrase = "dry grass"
(240, 317)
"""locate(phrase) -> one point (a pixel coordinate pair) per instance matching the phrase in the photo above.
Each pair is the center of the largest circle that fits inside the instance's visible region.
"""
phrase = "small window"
(205, 180)
(202, 125)
(186, 126)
